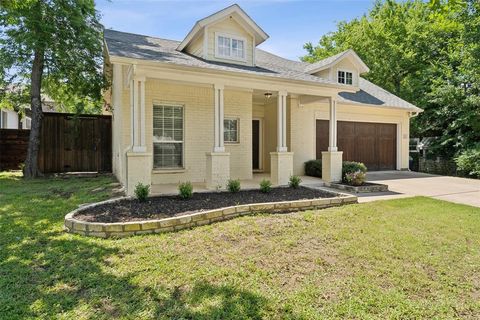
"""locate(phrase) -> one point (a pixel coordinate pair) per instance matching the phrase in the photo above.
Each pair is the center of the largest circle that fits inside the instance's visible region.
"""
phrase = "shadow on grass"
(46, 273)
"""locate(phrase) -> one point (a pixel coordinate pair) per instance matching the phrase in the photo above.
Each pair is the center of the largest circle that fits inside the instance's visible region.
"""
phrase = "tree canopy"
(53, 42)
(427, 54)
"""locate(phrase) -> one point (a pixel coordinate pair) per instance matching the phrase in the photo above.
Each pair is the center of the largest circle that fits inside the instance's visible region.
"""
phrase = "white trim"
(231, 37)
(363, 68)
(205, 43)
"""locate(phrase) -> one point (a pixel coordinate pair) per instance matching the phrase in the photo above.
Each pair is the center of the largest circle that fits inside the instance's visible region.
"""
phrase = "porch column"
(332, 159)
(281, 162)
(218, 161)
(138, 115)
(139, 161)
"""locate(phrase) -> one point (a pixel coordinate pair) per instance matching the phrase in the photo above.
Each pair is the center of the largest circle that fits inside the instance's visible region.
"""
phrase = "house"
(214, 107)
(10, 119)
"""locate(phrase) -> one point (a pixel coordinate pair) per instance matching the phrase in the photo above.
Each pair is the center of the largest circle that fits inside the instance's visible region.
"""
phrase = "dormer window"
(230, 47)
(345, 77)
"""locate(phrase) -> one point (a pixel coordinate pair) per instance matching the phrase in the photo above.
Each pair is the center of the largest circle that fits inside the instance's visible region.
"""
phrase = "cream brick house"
(214, 107)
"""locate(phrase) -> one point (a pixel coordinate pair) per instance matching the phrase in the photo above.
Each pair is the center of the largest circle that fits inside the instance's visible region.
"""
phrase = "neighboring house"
(214, 107)
(10, 119)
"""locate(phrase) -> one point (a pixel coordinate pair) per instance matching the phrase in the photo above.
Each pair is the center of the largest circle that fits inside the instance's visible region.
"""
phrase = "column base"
(332, 166)
(218, 170)
(139, 170)
(281, 167)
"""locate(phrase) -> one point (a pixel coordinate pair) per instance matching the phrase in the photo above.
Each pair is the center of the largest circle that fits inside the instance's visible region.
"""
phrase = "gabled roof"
(135, 46)
(331, 61)
(233, 10)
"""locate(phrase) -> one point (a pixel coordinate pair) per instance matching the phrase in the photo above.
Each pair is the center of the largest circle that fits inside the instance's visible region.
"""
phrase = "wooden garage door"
(374, 144)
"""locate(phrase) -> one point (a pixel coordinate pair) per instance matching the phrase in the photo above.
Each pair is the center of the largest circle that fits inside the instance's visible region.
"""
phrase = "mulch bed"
(170, 206)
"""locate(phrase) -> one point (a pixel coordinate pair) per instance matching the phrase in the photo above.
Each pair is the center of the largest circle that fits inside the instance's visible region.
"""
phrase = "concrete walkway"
(407, 184)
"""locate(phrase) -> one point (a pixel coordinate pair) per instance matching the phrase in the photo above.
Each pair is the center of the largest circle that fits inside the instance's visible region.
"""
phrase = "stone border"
(369, 187)
(124, 229)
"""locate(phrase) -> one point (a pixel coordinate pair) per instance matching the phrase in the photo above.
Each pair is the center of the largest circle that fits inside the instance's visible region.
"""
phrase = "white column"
(332, 141)
(282, 121)
(138, 114)
(219, 116)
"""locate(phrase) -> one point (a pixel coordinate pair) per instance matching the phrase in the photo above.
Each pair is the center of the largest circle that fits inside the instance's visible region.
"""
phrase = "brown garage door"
(374, 144)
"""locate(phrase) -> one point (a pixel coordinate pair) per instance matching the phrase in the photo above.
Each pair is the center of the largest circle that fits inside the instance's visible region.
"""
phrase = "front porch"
(210, 133)
(172, 188)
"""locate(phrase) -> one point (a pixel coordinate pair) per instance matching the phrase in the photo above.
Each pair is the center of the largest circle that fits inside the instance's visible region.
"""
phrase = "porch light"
(268, 95)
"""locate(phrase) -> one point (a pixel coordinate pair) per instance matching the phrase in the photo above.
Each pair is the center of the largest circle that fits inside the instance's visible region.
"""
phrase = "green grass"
(406, 259)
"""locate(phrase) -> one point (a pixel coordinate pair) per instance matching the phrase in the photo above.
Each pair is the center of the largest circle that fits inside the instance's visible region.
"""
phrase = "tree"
(422, 52)
(56, 39)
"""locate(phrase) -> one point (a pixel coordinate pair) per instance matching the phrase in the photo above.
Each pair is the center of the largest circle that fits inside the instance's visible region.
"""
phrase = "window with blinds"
(168, 136)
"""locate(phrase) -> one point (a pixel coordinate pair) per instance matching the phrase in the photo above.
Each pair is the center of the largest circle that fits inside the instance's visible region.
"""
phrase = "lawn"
(409, 258)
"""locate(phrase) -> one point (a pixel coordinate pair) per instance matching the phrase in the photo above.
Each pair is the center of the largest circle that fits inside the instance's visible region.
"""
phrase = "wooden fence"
(68, 143)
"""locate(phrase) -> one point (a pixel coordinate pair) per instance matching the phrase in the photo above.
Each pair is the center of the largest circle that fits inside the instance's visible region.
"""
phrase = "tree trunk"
(31, 163)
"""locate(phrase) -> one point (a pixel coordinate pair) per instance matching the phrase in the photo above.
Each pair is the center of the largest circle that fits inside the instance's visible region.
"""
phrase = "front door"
(256, 144)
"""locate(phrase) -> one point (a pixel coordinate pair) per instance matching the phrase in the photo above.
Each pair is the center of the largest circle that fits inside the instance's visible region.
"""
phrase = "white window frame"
(238, 130)
(345, 71)
(231, 37)
(182, 167)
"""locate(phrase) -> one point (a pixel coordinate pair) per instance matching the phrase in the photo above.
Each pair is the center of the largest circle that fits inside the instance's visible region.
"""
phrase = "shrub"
(352, 167)
(265, 186)
(356, 178)
(185, 190)
(142, 191)
(468, 162)
(233, 185)
(294, 182)
(313, 168)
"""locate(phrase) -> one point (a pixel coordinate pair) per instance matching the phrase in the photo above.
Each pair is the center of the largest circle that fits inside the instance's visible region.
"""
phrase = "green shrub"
(356, 178)
(265, 186)
(313, 168)
(142, 191)
(233, 185)
(294, 182)
(468, 162)
(352, 167)
(185, 190)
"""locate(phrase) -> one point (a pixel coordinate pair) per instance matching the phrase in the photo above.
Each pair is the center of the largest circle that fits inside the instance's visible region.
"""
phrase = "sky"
(290, 24)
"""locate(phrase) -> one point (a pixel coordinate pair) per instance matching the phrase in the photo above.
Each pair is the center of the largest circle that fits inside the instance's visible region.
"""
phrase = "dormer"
(344, 68)
(228, 36)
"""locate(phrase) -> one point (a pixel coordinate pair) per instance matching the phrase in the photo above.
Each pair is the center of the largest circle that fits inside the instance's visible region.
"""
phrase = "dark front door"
(374, 144)
(255, 144)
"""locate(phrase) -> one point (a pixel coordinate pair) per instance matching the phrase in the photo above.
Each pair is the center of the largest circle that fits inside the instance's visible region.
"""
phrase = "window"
(230, 47)
(167, 136)
(230, 130)
(345, 77)
(28, 123)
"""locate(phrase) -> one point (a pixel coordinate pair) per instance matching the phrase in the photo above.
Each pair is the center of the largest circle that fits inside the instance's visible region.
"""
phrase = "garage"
(374, 144)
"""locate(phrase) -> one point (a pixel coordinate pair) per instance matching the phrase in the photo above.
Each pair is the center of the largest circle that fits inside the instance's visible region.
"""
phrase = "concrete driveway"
(406, 184)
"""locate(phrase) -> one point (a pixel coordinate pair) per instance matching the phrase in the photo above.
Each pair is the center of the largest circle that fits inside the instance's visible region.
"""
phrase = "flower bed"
(126, 216)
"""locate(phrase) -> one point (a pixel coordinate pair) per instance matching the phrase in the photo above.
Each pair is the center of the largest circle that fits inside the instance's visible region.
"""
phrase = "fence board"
(68, 143)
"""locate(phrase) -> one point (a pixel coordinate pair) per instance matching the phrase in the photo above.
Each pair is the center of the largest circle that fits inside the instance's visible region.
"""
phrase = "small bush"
(265, 186)
(313, 168)
(142, 191)
(185, 190)
(294, 182)
(468, 162)
(352, 167)
(356, 178)
(233, 185)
